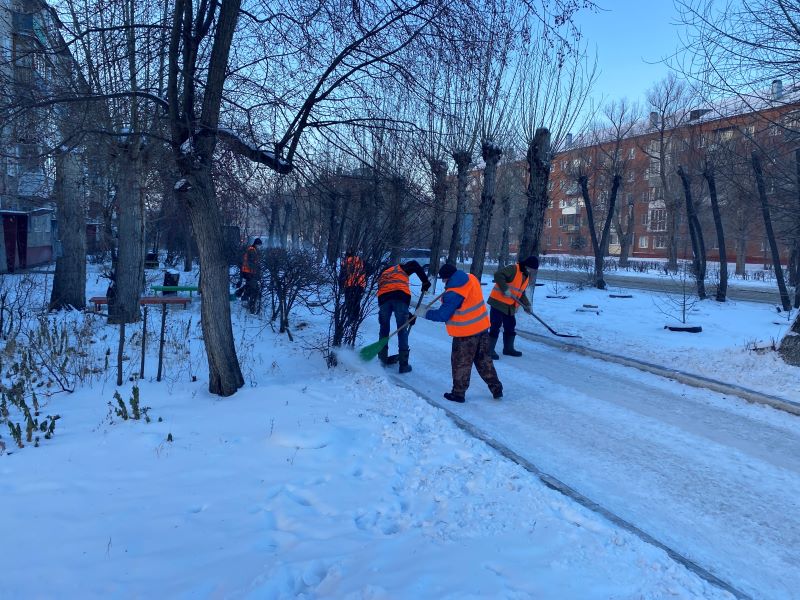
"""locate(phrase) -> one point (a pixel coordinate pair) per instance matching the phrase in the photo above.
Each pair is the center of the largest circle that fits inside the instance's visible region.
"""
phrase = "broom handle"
(414, 317)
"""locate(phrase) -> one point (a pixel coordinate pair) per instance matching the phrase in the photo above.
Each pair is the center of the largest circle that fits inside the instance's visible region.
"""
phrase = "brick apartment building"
(728, 132)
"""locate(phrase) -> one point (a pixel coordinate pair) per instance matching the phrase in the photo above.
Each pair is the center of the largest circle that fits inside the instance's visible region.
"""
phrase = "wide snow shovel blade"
(370, 351)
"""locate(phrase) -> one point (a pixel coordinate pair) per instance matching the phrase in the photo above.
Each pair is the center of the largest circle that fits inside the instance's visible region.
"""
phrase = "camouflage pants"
(468, 351)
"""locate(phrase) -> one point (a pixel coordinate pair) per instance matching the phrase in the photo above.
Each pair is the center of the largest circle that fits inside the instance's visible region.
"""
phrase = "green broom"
(370, 351)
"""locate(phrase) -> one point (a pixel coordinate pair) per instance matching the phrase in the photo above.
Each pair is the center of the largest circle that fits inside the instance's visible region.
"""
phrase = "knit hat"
(531, 262)
(257, 242)
(446, 272)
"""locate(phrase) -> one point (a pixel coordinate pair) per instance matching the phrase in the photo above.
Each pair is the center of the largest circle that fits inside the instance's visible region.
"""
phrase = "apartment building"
(28, 65)
(650, 192)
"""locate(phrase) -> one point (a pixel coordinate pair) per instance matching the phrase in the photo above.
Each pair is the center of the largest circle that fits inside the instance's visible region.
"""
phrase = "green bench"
(174, 288)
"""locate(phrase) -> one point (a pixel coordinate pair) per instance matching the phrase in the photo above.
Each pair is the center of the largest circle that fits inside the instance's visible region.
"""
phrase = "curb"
(697, 381)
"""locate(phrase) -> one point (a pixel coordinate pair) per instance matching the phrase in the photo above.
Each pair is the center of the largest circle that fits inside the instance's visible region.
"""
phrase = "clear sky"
(631, 38)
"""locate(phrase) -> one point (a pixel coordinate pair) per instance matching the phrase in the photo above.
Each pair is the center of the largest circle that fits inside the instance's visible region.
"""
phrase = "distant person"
(354, 282)
(394, 297)
(251, 273)
(464, 312)
(510, 284)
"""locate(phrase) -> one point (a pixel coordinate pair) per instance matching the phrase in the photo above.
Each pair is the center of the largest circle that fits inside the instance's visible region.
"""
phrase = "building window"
(658, 219)
(612, 239)
(559, 243)
(632, 153)
(629, 198)
(660, 242)
(643, 241)
(646, 196)
(750, 130)
(631, 176)
(549, 222)
(549, 203)
(645, 220)
(550, 186)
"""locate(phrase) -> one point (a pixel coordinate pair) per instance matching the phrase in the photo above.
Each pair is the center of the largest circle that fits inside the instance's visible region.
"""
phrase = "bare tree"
(553, 96)
(667, 101)
(607, 164)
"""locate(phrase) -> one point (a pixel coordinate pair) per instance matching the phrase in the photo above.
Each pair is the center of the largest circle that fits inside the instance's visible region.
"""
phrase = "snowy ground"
(315, 483)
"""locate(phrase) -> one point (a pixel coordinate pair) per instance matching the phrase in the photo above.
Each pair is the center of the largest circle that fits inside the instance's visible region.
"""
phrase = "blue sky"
(631, 37)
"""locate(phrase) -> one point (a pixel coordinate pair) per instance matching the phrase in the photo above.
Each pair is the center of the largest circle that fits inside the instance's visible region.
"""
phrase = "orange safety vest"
(354, 272)
(517, 287)
(393, 279)
(472, 317)
(246, 266)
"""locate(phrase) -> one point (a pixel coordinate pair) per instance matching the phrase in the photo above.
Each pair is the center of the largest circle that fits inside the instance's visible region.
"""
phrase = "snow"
(319, 483)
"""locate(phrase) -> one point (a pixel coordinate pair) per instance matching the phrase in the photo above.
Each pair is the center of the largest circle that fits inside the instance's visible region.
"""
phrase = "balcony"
(570, 228)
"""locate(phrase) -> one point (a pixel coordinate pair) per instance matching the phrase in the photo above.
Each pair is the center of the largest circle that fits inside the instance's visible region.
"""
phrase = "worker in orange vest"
(464, 312)
(354, 282)
(510, 284)
(394, 296)
(251, 273)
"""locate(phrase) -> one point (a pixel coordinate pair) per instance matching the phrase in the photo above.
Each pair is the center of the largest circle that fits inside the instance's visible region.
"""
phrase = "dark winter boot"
(383, 356)
(454, 397)
(492, 348)
(508, 345)
(404, 366)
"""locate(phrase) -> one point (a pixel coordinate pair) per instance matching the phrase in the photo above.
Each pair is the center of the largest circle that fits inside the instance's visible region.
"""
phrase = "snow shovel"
(370, 351)
(550, 329)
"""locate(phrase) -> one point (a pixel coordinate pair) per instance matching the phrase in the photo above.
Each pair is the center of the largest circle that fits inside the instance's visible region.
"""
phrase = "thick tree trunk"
(696, 235)
(225, 376)
(773, 243)
(463, 161)
(722, 288)
(538, 159)
(599, 246)
(503, 257)
(69, 282)
(491, 154)
(129, 271)
(439, 174)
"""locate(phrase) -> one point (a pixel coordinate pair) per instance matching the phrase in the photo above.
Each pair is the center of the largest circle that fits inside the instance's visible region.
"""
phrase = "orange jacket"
(393, 279)
(354, 272)
(516, 287)
(250, 260)
(471, 318)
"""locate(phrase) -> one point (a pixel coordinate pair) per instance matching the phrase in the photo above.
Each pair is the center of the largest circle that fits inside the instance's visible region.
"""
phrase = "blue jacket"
(451, 301)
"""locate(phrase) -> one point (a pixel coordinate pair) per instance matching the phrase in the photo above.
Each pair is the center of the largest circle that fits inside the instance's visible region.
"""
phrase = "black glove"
(426, 286)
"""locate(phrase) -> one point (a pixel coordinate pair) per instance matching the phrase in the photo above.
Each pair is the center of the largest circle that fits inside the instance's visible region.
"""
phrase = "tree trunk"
(69, 282)
(773, 244)
(538, 159)
(463, 161)
(599, 246)
(741, 245)
(696, 235)
(503, 257)
(491, 154)
(225, 376)
(439, 174)
(722, 288)
(129, 271)
(625, 234)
